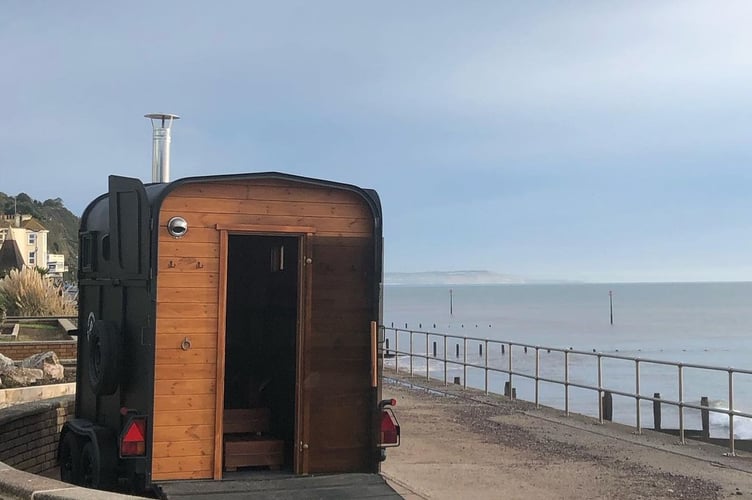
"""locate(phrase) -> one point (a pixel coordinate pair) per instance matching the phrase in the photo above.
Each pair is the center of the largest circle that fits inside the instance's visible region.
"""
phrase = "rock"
(5, 363)
(48, 362)
(23, 376)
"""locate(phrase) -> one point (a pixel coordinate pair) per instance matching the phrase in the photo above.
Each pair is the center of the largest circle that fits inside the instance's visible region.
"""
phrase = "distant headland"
(470, 277)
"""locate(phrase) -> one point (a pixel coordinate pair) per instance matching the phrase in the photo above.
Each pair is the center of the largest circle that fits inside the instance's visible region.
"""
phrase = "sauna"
(227, 325)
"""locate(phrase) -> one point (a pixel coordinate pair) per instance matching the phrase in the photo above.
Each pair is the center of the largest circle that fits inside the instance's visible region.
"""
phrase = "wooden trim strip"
(221, 326)
(258, 228)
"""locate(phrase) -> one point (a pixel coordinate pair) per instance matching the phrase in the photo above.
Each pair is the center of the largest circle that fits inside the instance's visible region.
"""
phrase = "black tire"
(104, 358)
(90, 466)
(69, 457)
(96, 471)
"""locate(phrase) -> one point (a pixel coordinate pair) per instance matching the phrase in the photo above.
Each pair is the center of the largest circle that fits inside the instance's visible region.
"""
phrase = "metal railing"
(391, 355)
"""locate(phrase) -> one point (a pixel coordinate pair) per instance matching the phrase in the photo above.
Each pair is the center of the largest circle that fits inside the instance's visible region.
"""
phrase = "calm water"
(705, 323)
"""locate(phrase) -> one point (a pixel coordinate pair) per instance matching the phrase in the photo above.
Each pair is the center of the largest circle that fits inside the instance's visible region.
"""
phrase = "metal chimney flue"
(160, 158)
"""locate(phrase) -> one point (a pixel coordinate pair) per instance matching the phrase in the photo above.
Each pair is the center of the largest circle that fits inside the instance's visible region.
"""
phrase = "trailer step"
(331, 486)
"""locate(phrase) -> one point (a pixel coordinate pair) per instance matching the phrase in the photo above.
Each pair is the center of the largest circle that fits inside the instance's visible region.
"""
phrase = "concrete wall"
(29, 433)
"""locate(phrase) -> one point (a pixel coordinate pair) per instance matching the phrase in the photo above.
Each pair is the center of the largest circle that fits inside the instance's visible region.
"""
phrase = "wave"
(721, 422)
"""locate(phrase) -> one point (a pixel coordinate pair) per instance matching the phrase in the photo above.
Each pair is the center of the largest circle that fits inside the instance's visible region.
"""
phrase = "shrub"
(28, 293)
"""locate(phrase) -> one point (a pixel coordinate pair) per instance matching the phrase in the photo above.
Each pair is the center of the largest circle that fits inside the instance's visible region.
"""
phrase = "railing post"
(637, 398)
(445, 360)
(485, 364)
(681, 403)
(396, 350)
(600, 388)
(464, 362)
(411, 353)
(566, 383)
(427, 360)
(510, 371)
(537, 377)
(384, 353)
(732, 450)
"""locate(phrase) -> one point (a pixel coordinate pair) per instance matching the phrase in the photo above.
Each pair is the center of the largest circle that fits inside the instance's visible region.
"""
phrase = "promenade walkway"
(475, 447)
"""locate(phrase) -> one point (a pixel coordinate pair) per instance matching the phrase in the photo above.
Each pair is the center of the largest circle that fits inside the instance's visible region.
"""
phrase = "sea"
(690, 323)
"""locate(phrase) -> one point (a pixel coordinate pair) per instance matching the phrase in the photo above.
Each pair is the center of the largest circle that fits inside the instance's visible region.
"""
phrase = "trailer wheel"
(89, 466)
(70, 459)
(104, 358)
(96, 473)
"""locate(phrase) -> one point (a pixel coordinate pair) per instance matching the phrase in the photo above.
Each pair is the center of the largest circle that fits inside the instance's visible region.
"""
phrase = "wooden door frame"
(304, 236)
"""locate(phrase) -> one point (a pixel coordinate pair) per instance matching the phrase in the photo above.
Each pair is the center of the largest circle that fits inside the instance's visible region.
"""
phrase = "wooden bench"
(245, 444)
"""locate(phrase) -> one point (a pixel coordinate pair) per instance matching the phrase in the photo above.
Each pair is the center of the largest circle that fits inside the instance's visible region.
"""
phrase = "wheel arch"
(103, 438)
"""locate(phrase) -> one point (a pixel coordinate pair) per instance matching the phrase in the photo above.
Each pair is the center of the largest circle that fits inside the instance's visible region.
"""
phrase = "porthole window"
(177, 227)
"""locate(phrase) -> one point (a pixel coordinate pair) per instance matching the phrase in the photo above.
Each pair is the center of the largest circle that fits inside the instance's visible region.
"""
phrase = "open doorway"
(262, 308)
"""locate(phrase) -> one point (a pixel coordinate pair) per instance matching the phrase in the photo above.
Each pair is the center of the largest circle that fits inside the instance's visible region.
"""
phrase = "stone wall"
(65, 349)
(29, 433)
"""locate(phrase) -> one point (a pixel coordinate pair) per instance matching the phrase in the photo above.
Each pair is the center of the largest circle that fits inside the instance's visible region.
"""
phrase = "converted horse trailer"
(227, 323)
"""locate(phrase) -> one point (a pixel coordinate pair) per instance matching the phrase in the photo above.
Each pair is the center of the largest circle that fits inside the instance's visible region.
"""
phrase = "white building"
(30, 238)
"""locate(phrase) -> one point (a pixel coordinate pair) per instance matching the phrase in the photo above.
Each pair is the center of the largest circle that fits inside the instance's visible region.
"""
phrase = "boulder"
(23, 376)
(5, 363)
(47, 362)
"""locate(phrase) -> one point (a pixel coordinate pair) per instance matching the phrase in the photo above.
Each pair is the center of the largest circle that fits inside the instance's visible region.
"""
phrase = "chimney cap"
(163, 117)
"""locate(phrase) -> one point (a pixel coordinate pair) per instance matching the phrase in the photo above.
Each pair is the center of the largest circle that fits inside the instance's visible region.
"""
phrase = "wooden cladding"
(189, 285)
(339, 355)
(333, 212)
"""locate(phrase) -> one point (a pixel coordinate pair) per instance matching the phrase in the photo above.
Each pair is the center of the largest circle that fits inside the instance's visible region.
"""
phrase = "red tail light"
(390, 429)
(133, 439)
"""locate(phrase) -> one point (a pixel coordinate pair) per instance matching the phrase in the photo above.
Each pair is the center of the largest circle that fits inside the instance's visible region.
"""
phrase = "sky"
(595, 141)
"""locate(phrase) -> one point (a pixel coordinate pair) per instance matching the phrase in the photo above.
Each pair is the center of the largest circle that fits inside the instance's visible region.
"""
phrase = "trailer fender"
(104, 357)
(97, 453)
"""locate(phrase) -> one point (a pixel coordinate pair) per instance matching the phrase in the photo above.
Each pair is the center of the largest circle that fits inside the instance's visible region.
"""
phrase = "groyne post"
(434, 349)
(509, 391)
(657, 411)
(705, 416)
(607, 405)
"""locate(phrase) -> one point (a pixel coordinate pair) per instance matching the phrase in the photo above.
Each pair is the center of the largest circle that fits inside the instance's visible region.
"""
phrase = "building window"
(32, 258)
(32, 238)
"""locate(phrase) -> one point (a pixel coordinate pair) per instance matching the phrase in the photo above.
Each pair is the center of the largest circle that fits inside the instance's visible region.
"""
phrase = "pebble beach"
(464, 444)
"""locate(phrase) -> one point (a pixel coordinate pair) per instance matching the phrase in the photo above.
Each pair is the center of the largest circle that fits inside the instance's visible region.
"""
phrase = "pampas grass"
(28, 293)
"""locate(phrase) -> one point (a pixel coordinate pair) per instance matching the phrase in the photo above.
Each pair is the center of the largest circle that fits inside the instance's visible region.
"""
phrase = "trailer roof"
(92, 217)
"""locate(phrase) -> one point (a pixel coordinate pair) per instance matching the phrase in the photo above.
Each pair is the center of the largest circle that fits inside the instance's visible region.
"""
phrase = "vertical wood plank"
(221, 325)
(302, 397)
